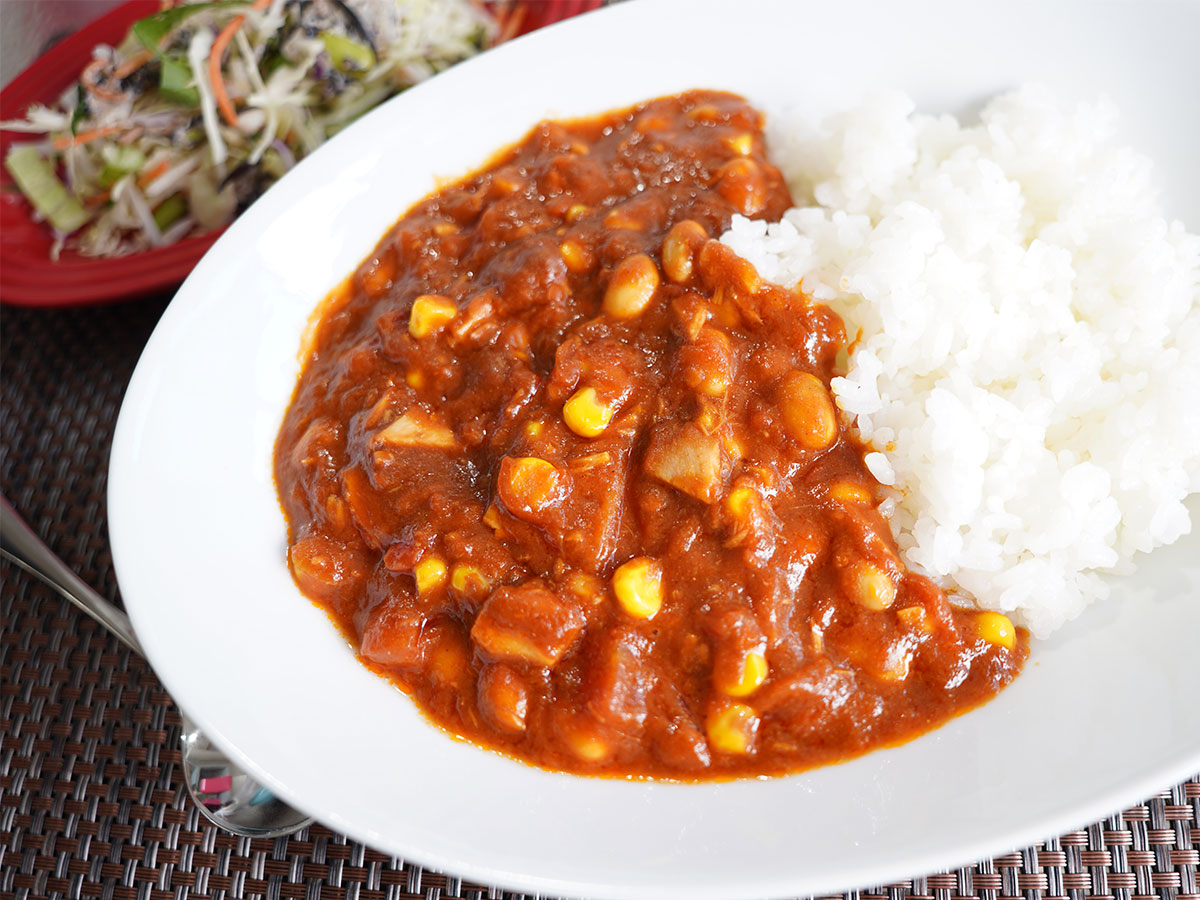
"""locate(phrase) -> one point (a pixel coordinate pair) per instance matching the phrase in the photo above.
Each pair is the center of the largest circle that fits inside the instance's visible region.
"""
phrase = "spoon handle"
(23, 548)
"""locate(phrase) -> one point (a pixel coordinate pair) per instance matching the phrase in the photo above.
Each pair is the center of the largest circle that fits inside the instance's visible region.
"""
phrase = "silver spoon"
(224, 794)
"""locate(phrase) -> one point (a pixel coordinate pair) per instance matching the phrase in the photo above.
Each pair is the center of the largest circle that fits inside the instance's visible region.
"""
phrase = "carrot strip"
(132, 64)
(97, 199)
(150, 174)
(228, 113)
(84, 137)
(88, 80)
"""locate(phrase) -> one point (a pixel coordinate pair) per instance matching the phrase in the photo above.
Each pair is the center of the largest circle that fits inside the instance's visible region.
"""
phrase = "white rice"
(1028, 354)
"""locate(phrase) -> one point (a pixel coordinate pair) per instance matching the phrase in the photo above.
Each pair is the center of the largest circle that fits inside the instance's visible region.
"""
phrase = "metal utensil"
(227, 796)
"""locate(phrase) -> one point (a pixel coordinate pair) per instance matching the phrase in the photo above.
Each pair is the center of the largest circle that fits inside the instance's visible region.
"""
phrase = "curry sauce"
(566, 469)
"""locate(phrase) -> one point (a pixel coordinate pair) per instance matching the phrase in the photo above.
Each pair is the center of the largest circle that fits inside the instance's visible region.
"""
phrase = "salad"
(204, 105)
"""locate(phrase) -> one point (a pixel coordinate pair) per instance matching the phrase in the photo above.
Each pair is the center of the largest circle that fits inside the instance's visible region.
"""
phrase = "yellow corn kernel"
(739, 500)
(808, 410)
(753, 674)
(619, 218)
(638, 586)
(430, 313)
(997, 628)
(850, 492)
(534, 428)
(466, 579)
(741, 144)
(871, 586)
(585, 414)
(575, 255)
(529, 482)
(430, 574)
(731, 728)
(441, 229)
(631, 287)
(415, 379)
(915, 618)
(577, 211)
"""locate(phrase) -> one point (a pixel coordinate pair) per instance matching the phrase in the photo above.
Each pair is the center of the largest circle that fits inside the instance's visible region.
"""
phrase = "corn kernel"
(916, 618)
(997, 628)
(575, 255)
(731, 728)
(739, 500)
(415, 379)
(638, 586)
(534, 428)
(741, 144)
(577, 211)
(466, 579)
(808, 410)
(441, 229)
(430, 574)
(585, 414)
(430, 313)
(704, 113)
(631, 287)
(871, 586)
(850, 492)
(753, 674)
(527, 483)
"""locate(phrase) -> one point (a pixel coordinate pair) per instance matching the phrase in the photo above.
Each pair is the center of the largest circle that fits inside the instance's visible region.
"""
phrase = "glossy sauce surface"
(567, 470)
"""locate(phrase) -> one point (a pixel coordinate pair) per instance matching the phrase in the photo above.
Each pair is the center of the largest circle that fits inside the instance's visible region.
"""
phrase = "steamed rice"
(1028, 338)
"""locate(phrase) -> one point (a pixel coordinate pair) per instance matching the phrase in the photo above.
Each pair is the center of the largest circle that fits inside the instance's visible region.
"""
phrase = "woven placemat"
(91, 799)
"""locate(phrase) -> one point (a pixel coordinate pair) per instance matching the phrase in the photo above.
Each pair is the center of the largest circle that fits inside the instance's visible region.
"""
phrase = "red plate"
(28, 277)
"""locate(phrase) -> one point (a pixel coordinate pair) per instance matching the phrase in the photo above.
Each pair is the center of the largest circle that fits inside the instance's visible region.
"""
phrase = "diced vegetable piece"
(347, 54)
(687, 459)
(176, 82)
(618, 680)
(416, 428)
(41, 187)
(638, 587)
(170, 211)
(120, 161)
(527, 624)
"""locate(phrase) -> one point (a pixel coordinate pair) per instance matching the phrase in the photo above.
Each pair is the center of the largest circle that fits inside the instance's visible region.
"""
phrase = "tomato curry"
(563, 466)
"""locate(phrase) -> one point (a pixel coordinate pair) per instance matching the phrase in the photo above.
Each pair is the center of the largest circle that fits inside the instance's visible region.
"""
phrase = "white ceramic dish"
(1104, 715)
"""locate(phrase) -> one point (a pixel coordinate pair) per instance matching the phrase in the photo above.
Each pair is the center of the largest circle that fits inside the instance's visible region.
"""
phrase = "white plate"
(1104, 715)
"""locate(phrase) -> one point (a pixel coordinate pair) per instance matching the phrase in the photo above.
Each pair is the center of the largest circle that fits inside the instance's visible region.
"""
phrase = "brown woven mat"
(91, 802)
